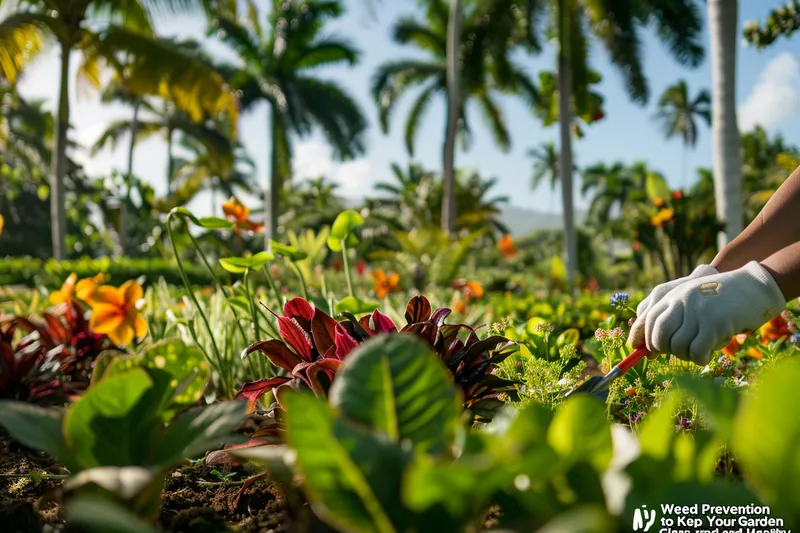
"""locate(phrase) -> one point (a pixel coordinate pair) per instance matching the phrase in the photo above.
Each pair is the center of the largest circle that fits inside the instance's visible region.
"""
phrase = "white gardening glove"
(701, 315)
(636, 336)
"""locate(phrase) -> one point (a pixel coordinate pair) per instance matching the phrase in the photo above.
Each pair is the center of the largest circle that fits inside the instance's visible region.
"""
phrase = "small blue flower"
(795, 339)
(619, 299)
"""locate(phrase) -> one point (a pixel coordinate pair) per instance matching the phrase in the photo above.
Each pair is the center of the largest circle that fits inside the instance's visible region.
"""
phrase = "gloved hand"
(636, 336)
(701, 315)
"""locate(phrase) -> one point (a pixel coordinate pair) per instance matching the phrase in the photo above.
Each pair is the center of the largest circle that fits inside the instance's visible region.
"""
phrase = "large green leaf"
(580, 431)
(345, 223)
(238, 265)
(765, 438)
(656, 187)
(351, 304)
(35, 427)
(352, 477)
(187, 366)
(195, 432)
(101, 429)
(105, 516)
(289, 252)
(397, 385)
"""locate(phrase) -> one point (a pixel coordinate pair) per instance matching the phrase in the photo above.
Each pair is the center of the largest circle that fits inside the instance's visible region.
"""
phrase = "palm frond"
(494, 116)
(22, 36)
(238, 38)
(416, 113)
(328, 51)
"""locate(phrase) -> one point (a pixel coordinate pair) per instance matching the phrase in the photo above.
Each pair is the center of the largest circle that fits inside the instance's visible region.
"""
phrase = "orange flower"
(458, 305)
(115, 312)
(658, 202)
(66, 292)
(775, 329)
(85, 288)
(238, 213)
(664, 215)
(2, 223)
(385, 284)
(754, 352)
(471, 290)
(507, 247)
(731, 349)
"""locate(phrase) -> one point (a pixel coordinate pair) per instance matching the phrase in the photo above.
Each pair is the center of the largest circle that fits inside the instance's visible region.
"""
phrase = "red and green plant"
(313, 345)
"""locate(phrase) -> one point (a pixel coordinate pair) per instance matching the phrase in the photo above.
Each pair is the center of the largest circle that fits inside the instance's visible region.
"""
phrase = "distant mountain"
(519, 220)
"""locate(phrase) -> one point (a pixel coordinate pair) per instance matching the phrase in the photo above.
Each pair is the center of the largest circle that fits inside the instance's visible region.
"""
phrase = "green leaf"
(289, 252)
(717, 401)
(580, 431)
(186, 364)
(581, 519)
(123, 481)
(397, 385)
(336, 244)
(656, 187)
(570, 336)
(214, 223)
(658, 428)
(344, 224)
(100, 429)
(351, 304)
(237, 265)
(197, 431)
(765, 437)
(352, 478)
(104, 516)
(36, 428)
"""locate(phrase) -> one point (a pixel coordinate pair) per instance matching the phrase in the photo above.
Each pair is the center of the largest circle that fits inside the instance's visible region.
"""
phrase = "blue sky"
(768, 92)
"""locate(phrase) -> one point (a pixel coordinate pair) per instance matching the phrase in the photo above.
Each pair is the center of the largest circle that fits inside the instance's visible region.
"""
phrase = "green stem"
(323, 286)
(300, 278)
(219, 284)
(271, 283)
(347, 273)
(193, 297)
(254, 314)
(215, 365)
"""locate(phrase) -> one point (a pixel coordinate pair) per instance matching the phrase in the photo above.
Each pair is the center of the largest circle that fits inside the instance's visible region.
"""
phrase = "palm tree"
(678, 114)
(613, 186)
(723, 27)
(230, 171)
(679, 27)
(545, 166)
(101, 29)
(276, 69)
(484, 72)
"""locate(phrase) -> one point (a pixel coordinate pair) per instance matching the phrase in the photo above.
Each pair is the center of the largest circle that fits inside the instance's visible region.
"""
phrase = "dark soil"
(194, 500)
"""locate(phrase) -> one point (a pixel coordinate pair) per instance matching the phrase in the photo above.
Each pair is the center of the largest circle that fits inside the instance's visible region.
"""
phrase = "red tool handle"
(630, 361)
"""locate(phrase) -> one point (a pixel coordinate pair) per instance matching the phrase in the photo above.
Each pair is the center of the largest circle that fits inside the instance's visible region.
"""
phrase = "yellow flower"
(66, 292)
(115, 312)
(385, 284)
(658, 202)
(664, 215)
(84, 289)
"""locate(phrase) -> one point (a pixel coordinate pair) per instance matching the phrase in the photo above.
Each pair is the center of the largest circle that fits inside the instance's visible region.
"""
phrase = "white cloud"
(775, 97)
(314, 159)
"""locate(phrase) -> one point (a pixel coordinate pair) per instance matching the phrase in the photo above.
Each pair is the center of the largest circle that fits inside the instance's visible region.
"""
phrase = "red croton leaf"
(418, 310)
(276, 351)
(294, 335)
(310, 374)
(382, 323)
(323, 330)
(300, 310)
(256, 389)
(344, 342)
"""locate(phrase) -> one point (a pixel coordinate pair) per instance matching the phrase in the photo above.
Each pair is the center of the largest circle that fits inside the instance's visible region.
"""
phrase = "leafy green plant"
(122, 430)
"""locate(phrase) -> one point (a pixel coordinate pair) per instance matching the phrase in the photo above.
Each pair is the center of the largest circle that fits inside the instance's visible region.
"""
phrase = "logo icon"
(643, 518)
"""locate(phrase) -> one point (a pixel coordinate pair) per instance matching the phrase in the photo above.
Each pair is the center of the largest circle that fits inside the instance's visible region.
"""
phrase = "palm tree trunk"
(170, 162)
(123, 216)
(58, 208)
(453, 106)
(274, 181)
(723, 24)
(565, 163)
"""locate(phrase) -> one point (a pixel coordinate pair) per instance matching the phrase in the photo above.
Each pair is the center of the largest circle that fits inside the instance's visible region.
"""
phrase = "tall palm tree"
(484, 72)
(546, 163)
(101, 29)
(277, 65)
(613, 187)
(723, 28)
(617, 25)
(678, 113)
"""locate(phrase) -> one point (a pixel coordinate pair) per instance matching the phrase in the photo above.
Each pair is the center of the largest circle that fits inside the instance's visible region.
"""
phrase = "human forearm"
(776, 227)
(784, 266)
